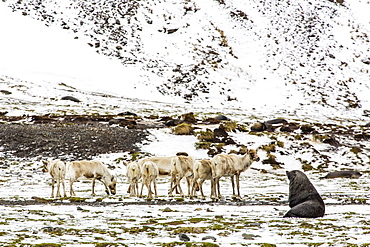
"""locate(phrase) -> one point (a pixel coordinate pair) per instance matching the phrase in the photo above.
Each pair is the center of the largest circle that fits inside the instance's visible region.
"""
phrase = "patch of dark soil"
(169, 202)
(158, 202)
(78, 141)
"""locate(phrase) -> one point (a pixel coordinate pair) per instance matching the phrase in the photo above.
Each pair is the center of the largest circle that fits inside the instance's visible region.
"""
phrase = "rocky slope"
(317, 51)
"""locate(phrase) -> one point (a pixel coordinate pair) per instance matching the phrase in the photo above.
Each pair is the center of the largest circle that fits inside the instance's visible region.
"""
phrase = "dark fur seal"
(343, 174)
(304, 200)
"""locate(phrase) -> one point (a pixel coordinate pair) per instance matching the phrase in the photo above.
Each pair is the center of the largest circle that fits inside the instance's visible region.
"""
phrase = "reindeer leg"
(142, 186)
(233, 184)
(71, 188)
(137, 188)
(237, 177)
(214, 195)
(52, 187)
(148, 185)
(155, 188)
(178, 185)
(64, 187)
(132, 188)
(58, 187)
(218, 192)
(213, 189)
(193, 188)
(188, 181)
(175, 187)
(93, 186)
(129, 189)
(200, 186)
(172, 185)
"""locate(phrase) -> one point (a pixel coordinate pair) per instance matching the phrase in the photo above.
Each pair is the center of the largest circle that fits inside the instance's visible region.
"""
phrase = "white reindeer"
(182, 167)
(202, 171)
(94, 170)
(57, 170)
(149, 171)
(163, 163)
(133, 174)
(231, 165)
(165, 167)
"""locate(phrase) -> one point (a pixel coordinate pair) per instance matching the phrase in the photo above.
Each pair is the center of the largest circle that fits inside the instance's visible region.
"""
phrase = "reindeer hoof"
(236, 198)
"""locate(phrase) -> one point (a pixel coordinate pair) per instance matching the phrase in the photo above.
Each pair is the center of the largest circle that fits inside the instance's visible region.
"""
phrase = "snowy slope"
(305, 58)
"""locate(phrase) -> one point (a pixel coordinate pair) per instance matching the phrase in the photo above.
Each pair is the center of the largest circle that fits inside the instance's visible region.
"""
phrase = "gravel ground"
(78, 141)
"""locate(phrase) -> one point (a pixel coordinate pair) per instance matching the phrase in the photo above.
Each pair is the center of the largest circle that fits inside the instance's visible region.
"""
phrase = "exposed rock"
(332, 141)
(71, 98)
(189, 118)
(366, 61)
(290, 127)
(52, 229)
(276, 121)
(258, 127)
(218, 132)
(222, 118)
(127, 113)
(209, 237)
(170, 31)
(184, 237)
(307, 128)
(129, 123)
(173, 122)
(362, 136)
(6, 92)
(249, 236)
(211, 121)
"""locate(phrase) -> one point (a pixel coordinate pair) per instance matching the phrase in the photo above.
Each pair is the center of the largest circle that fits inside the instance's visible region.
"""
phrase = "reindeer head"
(253, 155)
(112, 186)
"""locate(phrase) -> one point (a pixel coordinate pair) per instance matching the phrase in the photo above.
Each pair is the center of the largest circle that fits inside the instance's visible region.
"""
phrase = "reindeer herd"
(147, 170)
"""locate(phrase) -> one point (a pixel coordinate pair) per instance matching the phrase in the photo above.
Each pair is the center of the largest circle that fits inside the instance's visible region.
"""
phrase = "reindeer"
(149, 171)
(231, 165)
(133, 174)
(202, 171)
(57, 170)
(182, 167)
(91, 170)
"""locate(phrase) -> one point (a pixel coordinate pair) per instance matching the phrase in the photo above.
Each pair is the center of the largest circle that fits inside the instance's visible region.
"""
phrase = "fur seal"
(343, 174)
(304, 200)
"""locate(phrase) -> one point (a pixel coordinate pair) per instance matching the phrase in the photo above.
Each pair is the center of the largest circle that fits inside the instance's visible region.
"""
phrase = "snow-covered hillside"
(286, 57)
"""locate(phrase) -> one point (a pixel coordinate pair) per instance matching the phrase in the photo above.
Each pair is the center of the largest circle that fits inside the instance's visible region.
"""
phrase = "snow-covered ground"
(260, 221)
(39, 65)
